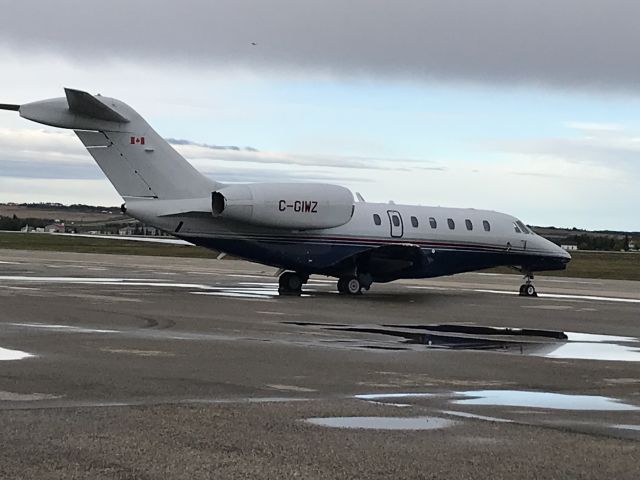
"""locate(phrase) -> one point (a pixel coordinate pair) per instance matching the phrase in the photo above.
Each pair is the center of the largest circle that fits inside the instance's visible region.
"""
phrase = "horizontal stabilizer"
(9, 106)
(86, 104)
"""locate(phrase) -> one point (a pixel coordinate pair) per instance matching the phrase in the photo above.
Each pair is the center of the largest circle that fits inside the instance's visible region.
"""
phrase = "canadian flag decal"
(137, 140)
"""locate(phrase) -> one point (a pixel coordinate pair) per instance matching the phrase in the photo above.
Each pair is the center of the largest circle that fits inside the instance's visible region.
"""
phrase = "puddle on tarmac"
(26, 397)
(66, 328)
(627, 427)
(251, 290)
(6, 354)
(597, 338)
(476, 417)
(387, 396)
(522, 341)
(548, 400)
(383, 423)
(590, 351)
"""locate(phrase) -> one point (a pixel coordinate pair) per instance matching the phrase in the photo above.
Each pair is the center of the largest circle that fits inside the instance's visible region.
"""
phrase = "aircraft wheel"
(290, 283)
(350, 286)
(353, 286)
(528, 290)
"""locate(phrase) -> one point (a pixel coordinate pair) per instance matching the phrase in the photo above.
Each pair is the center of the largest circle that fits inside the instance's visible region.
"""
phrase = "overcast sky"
(528, 107)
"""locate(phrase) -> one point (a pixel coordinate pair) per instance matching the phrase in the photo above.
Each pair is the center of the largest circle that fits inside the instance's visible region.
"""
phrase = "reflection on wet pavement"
(523, 341)
(453, 413)
(383, 423)
(528, 399)
(66, 328)
(383, 396)
(627, 427)
(6, 354)
(26, 397)
(591, 351)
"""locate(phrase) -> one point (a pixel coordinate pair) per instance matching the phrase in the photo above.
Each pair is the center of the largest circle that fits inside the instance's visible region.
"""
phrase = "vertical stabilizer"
(137, 161)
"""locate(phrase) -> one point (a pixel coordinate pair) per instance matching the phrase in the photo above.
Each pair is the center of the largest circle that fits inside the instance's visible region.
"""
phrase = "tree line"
(590, 242)
(14, 223)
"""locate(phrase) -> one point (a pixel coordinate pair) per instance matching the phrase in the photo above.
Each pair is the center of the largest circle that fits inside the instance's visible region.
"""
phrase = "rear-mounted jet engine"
(284, 205)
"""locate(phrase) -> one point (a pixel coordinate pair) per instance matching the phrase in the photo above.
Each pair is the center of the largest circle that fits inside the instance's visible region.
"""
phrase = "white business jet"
(300, 228)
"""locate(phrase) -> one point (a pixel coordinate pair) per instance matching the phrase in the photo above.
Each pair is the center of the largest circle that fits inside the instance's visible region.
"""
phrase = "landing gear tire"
(354, 287)
(350, 286)
(527, 289)
(290, 283)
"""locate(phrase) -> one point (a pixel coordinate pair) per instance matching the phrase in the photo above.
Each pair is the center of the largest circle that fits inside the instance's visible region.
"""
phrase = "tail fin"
(137, 161)
(140, 163)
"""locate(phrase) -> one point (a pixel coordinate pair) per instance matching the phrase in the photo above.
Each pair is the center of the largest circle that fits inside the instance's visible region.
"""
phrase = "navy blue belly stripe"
(367, 242)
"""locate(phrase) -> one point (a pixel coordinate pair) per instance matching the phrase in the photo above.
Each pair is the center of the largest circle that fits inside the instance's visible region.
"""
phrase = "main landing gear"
(290, 283)
(527, 289)
(354, 285)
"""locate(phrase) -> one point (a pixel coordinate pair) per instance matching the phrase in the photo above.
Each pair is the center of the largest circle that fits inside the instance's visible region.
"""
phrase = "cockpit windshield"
(522, 227)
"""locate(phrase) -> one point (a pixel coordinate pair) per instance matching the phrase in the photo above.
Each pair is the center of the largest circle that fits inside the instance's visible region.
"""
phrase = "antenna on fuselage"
(360, 197)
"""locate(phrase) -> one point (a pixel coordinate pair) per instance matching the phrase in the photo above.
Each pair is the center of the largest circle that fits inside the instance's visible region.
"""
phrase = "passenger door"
(395, 222)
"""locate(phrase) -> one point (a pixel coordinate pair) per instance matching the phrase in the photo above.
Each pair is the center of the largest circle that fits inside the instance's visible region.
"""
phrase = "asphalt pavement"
(150, 367)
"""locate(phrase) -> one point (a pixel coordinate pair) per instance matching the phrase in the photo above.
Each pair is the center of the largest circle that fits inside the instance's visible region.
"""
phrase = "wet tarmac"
(139, 367)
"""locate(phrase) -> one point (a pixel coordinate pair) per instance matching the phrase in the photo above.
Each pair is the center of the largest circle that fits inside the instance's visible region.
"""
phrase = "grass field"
(610, 265)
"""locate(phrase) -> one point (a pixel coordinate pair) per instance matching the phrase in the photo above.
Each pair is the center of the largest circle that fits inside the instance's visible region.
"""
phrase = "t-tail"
(138, 162)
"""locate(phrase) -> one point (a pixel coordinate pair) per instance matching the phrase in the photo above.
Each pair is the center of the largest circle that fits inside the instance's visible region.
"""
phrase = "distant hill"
(14, 216)
(54, 206)
(610, 240)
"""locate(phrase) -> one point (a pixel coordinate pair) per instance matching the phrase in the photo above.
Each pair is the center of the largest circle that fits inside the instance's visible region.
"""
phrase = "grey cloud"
(40, 154)
(200, 151)
(617, 152)
(562, 43)
(181, 141)
(48, 170)
(258, 174)
(537, 175)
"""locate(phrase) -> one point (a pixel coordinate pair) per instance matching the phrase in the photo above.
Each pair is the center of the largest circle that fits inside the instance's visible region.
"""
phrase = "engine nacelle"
(285, 205)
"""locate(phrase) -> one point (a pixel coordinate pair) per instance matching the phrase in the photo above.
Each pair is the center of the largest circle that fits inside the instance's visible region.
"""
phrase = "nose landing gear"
(527, 289)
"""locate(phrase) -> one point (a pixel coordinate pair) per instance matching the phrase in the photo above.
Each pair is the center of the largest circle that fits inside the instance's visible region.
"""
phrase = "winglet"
(86, 104)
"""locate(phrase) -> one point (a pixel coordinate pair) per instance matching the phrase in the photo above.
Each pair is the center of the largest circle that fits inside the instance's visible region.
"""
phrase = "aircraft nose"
(557, 251)
(563, 253)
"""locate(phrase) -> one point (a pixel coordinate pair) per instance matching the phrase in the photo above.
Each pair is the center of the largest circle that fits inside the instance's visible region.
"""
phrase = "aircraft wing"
(165, 240)
(385, 263)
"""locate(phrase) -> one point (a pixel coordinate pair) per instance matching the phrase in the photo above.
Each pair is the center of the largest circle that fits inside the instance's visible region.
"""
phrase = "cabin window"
(486, 225)
(451, 223)
(414, 222)
(516, 228)
(432, 222)
(396, 220)
(468, 223)
(376, 219)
